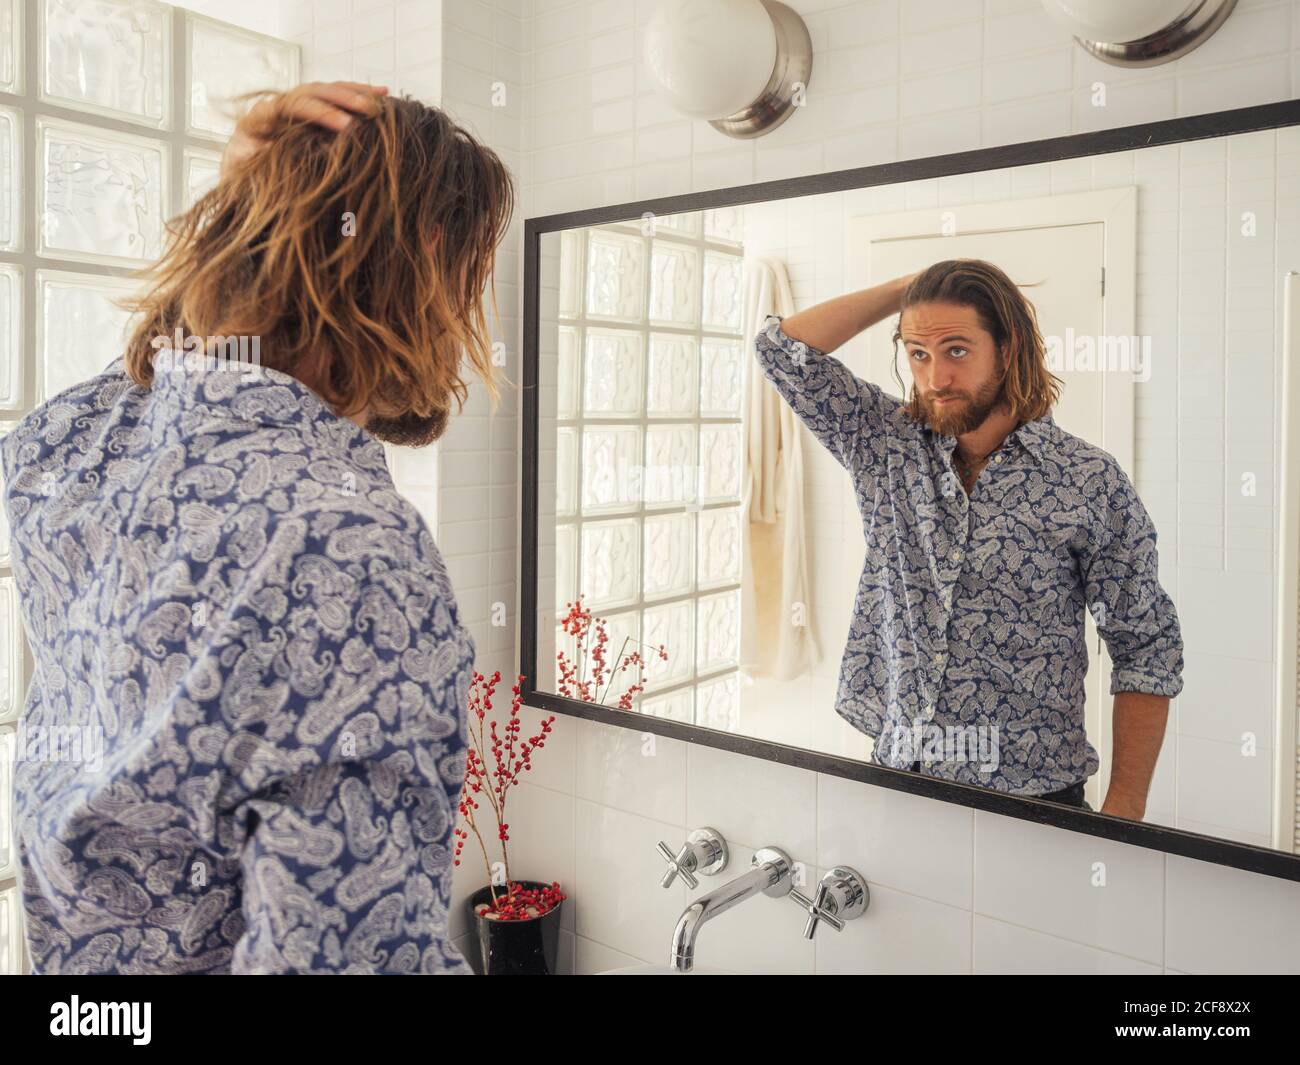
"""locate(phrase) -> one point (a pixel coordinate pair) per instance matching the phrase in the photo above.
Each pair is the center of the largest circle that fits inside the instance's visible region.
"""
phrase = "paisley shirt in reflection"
(218, 578)
(970, 612)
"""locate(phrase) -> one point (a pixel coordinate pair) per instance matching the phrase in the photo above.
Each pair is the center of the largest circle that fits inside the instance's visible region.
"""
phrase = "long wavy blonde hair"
(359, 258)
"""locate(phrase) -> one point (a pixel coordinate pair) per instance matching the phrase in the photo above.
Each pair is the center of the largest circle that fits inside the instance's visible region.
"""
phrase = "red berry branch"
(509, 756)
(582, 677)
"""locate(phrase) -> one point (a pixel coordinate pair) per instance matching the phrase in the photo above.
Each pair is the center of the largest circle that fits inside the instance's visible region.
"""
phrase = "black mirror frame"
(1255, 859)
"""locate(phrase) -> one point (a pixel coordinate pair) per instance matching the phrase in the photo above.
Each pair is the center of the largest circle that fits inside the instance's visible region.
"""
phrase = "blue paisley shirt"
(231, 606)
(969, 618)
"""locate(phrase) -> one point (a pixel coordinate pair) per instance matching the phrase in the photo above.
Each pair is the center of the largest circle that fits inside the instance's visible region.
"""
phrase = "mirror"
(711, 501)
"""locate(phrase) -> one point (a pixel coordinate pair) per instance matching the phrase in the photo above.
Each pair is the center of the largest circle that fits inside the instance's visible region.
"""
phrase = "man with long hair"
(989, 532)
(226, 598)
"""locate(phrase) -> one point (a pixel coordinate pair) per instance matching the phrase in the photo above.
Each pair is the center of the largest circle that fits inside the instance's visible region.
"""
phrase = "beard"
(963, 416)
(409, 429)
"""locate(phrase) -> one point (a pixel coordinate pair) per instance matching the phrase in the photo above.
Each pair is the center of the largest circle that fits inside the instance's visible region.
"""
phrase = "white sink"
(663, 970)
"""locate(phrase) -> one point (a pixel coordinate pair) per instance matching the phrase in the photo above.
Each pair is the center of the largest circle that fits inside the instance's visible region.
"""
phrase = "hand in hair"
(827, 325)
(325, 103)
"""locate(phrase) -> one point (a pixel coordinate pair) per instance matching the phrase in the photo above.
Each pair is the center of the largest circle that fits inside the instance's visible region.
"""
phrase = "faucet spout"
(770, 875)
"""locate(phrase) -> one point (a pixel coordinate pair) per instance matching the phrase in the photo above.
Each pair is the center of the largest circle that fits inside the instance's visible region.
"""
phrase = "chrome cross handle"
(841, 896)
(704, 852)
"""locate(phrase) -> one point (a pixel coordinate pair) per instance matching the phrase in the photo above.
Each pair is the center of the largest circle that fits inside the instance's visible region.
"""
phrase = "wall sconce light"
(737, 63)
(1145, 34)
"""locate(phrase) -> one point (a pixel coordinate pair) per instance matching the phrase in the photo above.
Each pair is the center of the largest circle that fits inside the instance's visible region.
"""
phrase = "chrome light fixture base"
(1189, 30)
(790, 72)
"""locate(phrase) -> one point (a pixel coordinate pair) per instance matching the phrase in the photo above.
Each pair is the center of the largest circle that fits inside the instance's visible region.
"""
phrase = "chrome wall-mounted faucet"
(769, 875)
(841, 894)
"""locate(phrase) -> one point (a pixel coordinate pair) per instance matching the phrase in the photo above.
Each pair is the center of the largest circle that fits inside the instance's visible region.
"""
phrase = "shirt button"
(997, 458)
(957, 554)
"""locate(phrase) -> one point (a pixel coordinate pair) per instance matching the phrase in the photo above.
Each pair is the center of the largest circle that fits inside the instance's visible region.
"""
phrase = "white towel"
(777, 638)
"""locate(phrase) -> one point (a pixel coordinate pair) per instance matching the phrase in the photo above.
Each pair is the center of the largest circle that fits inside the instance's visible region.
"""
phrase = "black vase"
(516, 948)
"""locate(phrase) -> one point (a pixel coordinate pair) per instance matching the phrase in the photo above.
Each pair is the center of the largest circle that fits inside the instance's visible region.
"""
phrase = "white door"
(1065, 263)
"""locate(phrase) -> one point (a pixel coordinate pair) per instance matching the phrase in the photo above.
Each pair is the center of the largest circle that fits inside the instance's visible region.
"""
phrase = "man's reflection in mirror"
(989, 532)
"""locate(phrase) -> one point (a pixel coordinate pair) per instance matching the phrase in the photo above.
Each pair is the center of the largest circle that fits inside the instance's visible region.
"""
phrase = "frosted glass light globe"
(711, 58)
(1115, 21)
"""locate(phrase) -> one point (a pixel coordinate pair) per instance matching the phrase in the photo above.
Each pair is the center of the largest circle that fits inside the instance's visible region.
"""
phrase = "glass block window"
(99, 194)
(200, 174)
(118, 127)
(224, 61)
(10, 910)
(113, 114)
(107, 56)
(73, 307)
(10, 172)
(7, 860)
(10, 45)
(10, 943)
(649, 454)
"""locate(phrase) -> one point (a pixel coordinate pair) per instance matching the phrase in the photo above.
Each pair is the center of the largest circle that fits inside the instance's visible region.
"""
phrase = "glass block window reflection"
(125, 109)
(650, 452)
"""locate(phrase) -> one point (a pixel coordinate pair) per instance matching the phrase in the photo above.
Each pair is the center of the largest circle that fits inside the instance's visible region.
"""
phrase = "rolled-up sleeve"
(1134, 613)
(844, 412)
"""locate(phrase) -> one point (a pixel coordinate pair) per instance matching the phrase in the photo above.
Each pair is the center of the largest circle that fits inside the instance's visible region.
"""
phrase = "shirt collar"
(201, 388)
(1033, 438)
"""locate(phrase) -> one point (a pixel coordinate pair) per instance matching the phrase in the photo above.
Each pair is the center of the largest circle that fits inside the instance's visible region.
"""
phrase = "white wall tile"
(618, 900)
(753, 803)
(1006, 949)
(591, 958)
(1221, 920)
(899, 933)
(1082, 888)
(638, 772)
(897, 840)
